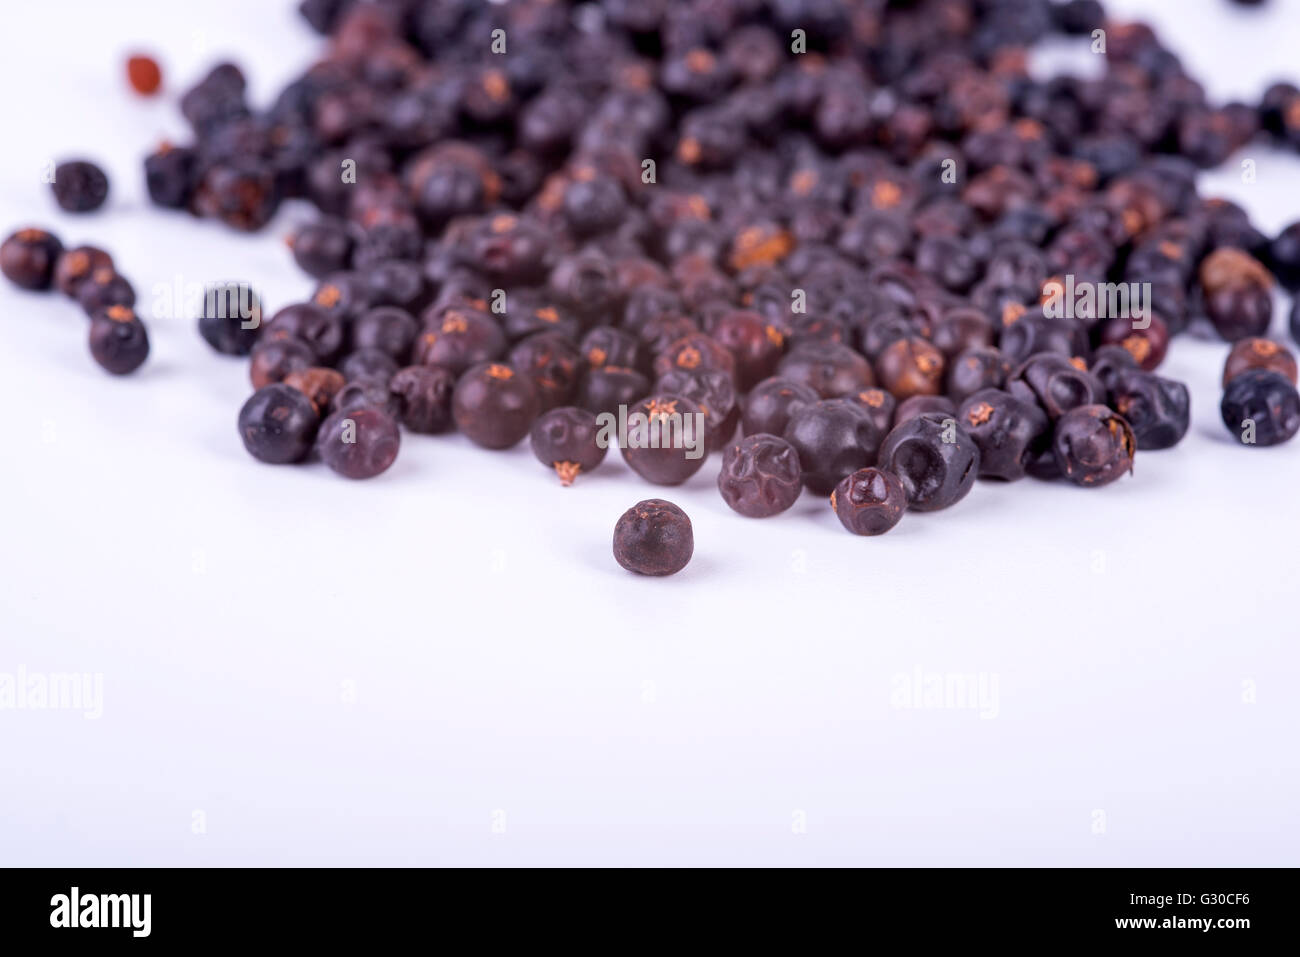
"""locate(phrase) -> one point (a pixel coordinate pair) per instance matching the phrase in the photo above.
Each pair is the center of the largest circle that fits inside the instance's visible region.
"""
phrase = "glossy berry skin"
(343, 295)
(494, 405)
(459, 338)
(870, 501)
(880, 406)
(387, 328)
(1266, 399)
(118, 340)
(1056, 383)
(322, 247)
(278, 424)
(323, 332)
(975, 369)
(756, 345)
(104, 288)
(607, 388)
(769, 405)
(832, 369)
(695, 353)
(231, 319)
(75, 266)
(760, 476)
(1009, 432)
(1147, 346)
(359, 443)
(423, 396)
(654, 537)
(909, 367)
(833, 438)
(1240, 311)
(1158, 410)
(79, 186)
(273, 359)
(565, 439)
(668, 441)
(1093, 446)
(1259, 354)
(553, 362)
(609, 346)
(936, 473)
(714, 392)
(28, 257)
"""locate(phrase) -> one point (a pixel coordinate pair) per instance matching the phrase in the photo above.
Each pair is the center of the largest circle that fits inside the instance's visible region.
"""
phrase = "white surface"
(319, 671)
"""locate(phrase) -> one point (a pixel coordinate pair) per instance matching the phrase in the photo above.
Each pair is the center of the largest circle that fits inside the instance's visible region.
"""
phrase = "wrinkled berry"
(761, 476)
(654, 537)
(870, 501)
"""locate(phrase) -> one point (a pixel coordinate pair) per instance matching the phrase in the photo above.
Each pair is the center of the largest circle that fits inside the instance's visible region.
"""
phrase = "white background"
(446, 666)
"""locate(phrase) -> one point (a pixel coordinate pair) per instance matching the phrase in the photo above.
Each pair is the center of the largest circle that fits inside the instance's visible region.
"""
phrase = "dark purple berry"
(1093, 446)
(1056, 383)
(104, 288)
(761, 476)
(366, 393)
(79, 186)
(611, 387)
(880, 406)
(322, 247)
(28, 257)
(715, 394)
(654, 537)
(1009, 432)
(833, 437)
(975, 369)
(278, 424)
(667, 439)
(833, 370)
(170, 176)
(424, 398)
(494, 405)
(75, 266)
(273, 359)
(934, 458)
(231, 319)
(770, 404)
(359, 443)
(1261, 407)
(387, 328)
(554, 364)
(374, 364)
(118, 340)
(870, 501)
(459, 338)
(567, 439)
(1157, 409)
